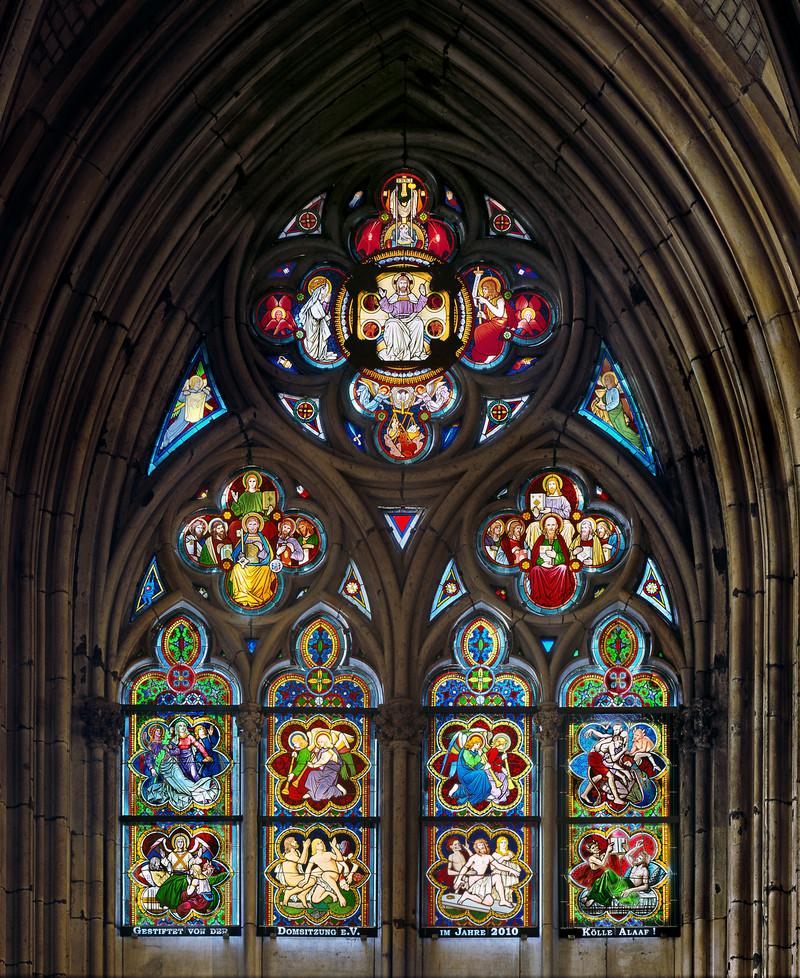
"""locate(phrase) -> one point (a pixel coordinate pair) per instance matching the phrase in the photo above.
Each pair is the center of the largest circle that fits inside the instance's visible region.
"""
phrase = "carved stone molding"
(103, 723)
(547, 724)
(250, 724)
(696, 724)
(400, 723)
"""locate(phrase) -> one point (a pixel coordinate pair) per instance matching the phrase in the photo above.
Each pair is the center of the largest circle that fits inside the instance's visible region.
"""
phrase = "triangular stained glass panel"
(499, 413)
(652, 589)
(547, 644)
(150, 589)
(356, 435)
(251, 644)
(308, 220)
(353, 589)
(196, 403)
(449, 434)
(450, 589)
(402, 523)
(502, 222)
(305, 411)
(283, 270)
(610, 405)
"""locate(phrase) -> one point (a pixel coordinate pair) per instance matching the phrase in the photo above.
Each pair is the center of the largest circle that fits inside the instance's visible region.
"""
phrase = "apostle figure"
(551, 581)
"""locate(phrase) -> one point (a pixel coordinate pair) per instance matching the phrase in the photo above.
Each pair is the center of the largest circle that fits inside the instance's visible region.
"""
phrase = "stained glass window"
(180, 791)
(249, 543)
(480, 798)
(150, 590)
(319, 814)
(196, 403)
(404, 318)
(653, 590)
(617, 760)
(557, 538)
(610, 406)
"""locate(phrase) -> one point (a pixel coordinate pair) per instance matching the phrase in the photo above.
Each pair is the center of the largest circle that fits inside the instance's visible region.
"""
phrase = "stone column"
(547, 726)
(400, 724)
(695, 730)
(250, 726)
(103, 727)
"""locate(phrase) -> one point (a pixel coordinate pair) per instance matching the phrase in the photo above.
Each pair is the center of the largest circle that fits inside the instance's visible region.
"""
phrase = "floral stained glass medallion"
(450, 589)
(319, 802)
(352, 587)
(180, 798)
(403, 320)
(654, 591)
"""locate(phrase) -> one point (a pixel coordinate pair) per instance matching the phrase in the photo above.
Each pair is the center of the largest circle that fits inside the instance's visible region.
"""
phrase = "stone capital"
(547, 724)
(103, 723)
(400, 723)
(250, 724)
(696, 724)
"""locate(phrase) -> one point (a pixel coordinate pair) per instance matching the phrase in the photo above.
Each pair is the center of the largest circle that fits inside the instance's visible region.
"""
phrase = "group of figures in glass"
(406, 322)
(403, 315)
(551, 541)
(320, 803)
(252, 541)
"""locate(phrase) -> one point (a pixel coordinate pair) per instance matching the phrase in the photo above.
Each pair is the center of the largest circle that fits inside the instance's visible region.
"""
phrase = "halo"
(194, 520)
(552, 516)
(288, 519)
(318, 280)
(399, 275)
(552, 476)
(318, 732)
(492, 278)
(611, 374)
(247, 475)
(147, 733)
(254, 516)
(591, 519)
(216, 522)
